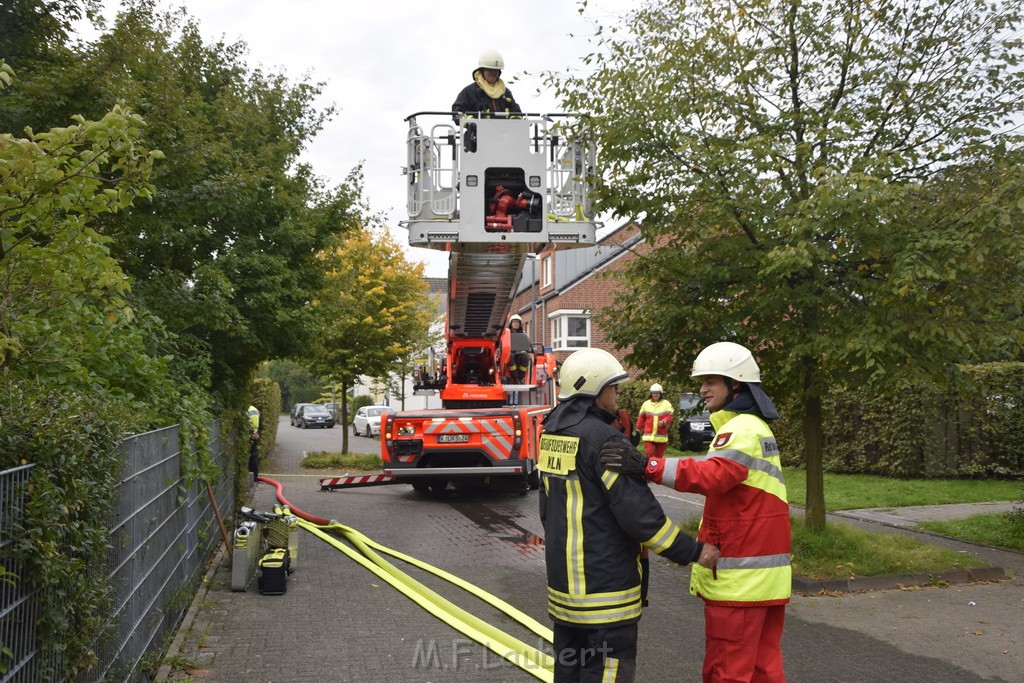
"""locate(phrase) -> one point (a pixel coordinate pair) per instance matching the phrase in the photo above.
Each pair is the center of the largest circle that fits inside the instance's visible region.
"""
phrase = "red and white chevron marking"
(353, 482)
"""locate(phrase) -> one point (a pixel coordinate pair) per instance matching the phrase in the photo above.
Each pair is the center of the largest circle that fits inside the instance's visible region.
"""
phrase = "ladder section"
(480, 290)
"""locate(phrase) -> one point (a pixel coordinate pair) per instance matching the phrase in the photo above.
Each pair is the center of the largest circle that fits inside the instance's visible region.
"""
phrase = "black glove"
(620, 456)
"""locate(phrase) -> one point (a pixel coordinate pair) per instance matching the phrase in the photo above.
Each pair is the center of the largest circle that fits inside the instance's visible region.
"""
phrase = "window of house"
(547, 271)
(570, 330)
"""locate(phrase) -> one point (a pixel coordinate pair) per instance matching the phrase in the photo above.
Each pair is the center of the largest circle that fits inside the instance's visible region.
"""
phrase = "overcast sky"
(381, 61)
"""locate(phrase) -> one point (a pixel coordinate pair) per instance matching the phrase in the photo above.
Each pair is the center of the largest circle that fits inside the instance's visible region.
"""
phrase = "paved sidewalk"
(908, 517)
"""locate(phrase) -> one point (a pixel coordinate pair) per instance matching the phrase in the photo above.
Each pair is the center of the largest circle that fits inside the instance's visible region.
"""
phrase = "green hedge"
(358, 402)
(968, 428)
(74, 438)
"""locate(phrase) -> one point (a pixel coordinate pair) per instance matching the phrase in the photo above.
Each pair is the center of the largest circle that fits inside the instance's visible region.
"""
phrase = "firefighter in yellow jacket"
(746, 514)
(653, 422)
(595, 523)
(255, 432)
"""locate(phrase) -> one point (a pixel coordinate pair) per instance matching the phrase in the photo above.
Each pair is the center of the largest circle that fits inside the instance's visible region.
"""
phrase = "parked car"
(367, 420)
(296, 409)
(314, 415)
(695, 430)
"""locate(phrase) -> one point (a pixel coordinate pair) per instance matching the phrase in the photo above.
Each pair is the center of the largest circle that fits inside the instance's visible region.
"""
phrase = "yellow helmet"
(587, 371)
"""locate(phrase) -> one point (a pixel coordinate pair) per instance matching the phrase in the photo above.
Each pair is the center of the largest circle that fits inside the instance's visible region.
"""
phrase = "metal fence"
(161, 536)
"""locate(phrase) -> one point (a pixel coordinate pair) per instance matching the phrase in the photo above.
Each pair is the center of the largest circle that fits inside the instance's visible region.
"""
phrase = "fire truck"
(492, 192)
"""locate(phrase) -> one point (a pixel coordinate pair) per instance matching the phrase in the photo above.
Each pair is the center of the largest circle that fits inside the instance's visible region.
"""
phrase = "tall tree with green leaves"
(835, 184)
(225, 254)
(373, 310)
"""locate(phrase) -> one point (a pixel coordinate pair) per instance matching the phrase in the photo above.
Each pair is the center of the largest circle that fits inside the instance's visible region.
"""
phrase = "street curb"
(807, 586)
(185, 626)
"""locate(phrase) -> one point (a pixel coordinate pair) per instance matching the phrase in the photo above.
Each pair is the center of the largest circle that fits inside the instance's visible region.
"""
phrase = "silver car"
(367, 420)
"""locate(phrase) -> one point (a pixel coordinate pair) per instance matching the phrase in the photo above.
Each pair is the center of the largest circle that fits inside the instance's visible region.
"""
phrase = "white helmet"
(728, 360)
(656, 389)
(587, 371)
(515, 317)
(490, 59)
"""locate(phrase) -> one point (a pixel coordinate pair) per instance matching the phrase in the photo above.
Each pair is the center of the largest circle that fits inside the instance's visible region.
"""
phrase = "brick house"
(561, 290)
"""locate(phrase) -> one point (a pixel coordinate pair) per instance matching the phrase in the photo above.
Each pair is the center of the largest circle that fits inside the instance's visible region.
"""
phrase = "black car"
(296, 409)
(314, 415)
(695, 430)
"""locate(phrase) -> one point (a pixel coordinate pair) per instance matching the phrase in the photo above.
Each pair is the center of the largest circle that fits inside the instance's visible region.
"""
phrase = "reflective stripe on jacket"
(746, 512)
(595, 523)
(654, 420)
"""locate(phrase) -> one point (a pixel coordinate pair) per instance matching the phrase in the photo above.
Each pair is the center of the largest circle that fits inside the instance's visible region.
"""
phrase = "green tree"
(77, 371)
(834, 184)
(225, 254)
(373, 311)
(298, 385)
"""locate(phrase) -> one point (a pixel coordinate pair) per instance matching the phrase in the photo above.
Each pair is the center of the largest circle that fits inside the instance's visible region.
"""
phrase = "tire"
(369, 432)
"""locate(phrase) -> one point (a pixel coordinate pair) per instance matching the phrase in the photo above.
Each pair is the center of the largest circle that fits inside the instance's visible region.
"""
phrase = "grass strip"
(355, 462)
(1004, 531)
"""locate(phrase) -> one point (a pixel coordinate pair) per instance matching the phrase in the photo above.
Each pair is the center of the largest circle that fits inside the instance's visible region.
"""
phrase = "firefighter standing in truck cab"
(653, 421)
(746, 514)
(518, 345)
(595, 524)
(487, 93)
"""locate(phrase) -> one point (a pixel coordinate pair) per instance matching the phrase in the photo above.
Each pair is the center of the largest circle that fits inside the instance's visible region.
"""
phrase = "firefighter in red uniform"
(653, 421)
(595, 523)
(746, 514)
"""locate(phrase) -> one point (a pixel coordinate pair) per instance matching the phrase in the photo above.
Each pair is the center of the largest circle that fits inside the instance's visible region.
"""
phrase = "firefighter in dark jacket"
(595, 524)
(487, 93)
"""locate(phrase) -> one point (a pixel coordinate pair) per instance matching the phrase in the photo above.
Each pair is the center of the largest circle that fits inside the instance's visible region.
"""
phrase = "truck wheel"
(420, 486)
(533, 480)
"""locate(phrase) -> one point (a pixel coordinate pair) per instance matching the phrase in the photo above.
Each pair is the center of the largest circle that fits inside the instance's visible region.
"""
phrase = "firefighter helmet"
(515, 318)
(728, 360)
(656, 388)
(587, 371)
(490, 59)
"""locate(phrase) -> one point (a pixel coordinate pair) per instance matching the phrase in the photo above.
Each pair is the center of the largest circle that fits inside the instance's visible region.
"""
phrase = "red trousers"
(743, 644)
(653, 449)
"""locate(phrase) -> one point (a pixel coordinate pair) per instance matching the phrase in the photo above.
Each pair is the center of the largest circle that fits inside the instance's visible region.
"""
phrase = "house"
(560, 291)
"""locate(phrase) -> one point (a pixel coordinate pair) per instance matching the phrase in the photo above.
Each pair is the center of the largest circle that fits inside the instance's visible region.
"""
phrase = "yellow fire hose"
(530, 659)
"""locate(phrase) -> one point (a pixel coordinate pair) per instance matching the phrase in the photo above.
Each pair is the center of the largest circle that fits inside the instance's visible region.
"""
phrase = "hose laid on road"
(526, 657)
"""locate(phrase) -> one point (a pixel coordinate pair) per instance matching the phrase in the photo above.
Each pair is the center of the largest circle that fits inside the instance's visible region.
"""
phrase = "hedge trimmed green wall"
(971, 428)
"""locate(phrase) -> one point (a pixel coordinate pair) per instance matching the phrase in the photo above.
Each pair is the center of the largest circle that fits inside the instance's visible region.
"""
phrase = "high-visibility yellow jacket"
(746, 512)
(654, 420)
(254, 419)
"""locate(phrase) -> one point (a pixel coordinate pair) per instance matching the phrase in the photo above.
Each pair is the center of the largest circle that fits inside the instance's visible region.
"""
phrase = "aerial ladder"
(490, 192)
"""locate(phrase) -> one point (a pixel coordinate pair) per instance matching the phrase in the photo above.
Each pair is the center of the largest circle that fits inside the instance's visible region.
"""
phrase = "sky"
(382, 61)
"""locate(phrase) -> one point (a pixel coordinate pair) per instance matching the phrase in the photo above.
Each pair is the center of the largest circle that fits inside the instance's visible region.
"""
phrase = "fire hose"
(528, 658)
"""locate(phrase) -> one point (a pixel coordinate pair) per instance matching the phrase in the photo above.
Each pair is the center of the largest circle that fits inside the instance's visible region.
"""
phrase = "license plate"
(453, 438)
